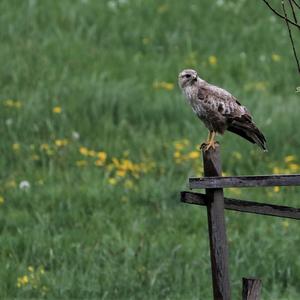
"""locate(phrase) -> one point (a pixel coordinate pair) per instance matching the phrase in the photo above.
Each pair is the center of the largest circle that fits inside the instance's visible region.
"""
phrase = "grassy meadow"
(97, 143)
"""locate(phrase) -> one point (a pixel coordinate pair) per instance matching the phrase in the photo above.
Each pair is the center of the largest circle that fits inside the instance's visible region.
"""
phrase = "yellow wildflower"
(30, 269)
(289, 158)
(121, 173)
(235, 191)
(162, 8)
(17, 104)
(126, 153)
(61, 143)
(276, 189)
(285, 224)
(23, 280)
(102, 155)
(276, 57)
(168, 86)
(92, 153)
(16, 147)
(50, 152)
(124, 199)
(277, 170)
(57, 110)
(84, 151)
(9, 103)
(293, 167)
(112, 181)
(116, 162)
(35, 157)
(44, 147)
(146, 41)
(128, 184)
(110, 167)
(177, 154)
(12, 103)
(99, 163)
(40, 182)
(11, 184)
(178, 160)
(81, 163)
(129, 165)
(212, 60)
(194, 154)
(1, 200)
(260, 86)
(179, 146)
(237, 155)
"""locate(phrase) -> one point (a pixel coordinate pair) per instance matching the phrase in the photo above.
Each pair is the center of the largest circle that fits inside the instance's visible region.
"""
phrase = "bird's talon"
(211, 144)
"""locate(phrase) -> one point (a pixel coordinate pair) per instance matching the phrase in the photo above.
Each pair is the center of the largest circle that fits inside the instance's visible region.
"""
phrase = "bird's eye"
(188, 75)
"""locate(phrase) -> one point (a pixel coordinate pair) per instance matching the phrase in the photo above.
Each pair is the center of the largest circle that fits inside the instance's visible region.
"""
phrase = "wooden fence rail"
(245, 206)
(214, 200)
(244, 181)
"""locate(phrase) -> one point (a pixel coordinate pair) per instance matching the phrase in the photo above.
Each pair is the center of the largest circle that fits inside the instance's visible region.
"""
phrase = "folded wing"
(238, 118)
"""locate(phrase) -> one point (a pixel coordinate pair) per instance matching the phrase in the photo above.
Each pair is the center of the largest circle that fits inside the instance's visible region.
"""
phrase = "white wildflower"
(243, 55)
(112, 5)
(9, 122)
(24, 185)
(75, 135)
(262, 58)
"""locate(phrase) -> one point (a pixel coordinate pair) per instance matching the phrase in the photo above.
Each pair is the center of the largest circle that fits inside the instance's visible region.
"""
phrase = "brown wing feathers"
(244, 127)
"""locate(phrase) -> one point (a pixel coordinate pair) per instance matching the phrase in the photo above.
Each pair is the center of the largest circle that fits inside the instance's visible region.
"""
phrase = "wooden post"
(251, 288)
(217, 228)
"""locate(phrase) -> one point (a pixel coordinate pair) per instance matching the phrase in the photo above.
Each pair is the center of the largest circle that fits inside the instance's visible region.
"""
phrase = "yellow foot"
(207, 146)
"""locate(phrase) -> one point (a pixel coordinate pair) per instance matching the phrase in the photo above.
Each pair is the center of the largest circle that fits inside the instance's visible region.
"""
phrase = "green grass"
(87, 238)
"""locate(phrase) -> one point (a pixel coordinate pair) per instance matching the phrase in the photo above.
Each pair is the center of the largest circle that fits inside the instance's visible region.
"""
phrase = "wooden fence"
(214, 200)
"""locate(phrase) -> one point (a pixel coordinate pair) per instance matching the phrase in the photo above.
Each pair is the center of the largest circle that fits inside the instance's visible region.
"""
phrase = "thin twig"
(298, 5)
(292, 8)
(280, 15)
(290, 34)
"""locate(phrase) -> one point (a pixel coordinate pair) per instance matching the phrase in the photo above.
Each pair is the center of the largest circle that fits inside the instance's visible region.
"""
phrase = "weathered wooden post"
(216, 227)
(251, 288)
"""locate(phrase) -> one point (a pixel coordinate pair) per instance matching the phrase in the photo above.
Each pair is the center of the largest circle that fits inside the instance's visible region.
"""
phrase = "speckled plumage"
(218, 109)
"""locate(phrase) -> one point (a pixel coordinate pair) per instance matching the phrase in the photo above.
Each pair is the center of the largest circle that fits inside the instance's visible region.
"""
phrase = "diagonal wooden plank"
(244, 181)
(245, 206)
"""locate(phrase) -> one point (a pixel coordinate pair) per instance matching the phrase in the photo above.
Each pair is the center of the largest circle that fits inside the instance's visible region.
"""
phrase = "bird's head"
(187, 78)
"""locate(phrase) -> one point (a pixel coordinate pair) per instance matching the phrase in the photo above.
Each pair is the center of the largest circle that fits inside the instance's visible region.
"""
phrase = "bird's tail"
(248, 131)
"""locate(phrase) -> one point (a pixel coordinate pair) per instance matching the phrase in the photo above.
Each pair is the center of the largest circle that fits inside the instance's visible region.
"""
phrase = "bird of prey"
(218, 110)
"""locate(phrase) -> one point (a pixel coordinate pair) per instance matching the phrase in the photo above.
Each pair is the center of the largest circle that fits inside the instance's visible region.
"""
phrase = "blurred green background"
(97, 143)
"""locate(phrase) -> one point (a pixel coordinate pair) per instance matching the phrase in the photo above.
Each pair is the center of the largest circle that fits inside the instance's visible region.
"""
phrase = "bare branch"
(280, 15)
(290, 34)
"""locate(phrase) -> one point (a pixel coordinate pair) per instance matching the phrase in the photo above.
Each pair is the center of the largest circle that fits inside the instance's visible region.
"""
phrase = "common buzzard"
(218, 110)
